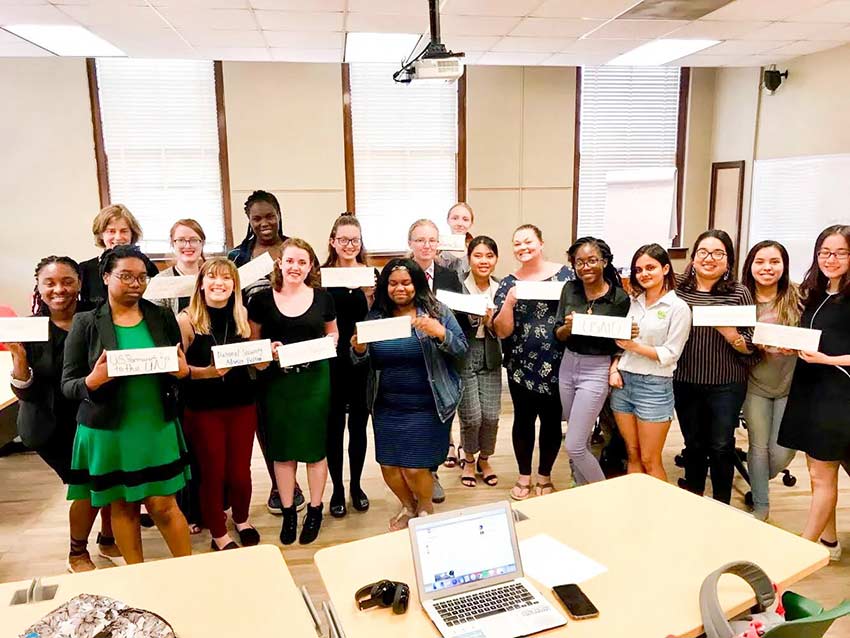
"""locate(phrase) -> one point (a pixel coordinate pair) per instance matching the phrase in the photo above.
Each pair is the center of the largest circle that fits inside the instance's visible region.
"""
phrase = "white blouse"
(665, 325)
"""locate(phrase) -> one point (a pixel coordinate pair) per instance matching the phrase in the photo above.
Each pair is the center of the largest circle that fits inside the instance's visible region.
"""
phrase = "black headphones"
(384, 593)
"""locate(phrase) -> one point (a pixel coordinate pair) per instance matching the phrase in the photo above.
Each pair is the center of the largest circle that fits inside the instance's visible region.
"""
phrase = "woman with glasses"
(187, 241)
(348, 382)
(585, 366)
(817, 417)
(129, 448)
(710, 382)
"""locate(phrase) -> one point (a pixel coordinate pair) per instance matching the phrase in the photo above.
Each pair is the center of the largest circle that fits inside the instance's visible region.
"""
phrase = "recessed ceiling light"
(379, 47)
(660, 52)
(66, 40)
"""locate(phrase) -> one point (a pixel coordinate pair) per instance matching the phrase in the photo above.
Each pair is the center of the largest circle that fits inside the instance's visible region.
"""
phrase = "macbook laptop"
(469, 575)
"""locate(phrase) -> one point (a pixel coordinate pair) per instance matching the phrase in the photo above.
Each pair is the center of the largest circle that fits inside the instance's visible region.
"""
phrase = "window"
(629, 121)
(161, 145)
(405, 144)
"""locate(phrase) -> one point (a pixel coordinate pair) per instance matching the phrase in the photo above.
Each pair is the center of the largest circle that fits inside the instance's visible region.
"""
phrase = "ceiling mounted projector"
(435, 62)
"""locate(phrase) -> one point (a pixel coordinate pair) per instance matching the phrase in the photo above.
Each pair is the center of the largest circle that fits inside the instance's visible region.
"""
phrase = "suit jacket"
(92, 333)
(92, 289)
(446, 279)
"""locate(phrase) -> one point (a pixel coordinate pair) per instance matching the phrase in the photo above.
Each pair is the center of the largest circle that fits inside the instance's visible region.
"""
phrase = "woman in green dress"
(129, 448)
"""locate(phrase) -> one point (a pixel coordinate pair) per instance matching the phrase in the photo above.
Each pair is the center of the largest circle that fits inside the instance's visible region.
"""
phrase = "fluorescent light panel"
(65, 40)
(660, 52)
(379, 47)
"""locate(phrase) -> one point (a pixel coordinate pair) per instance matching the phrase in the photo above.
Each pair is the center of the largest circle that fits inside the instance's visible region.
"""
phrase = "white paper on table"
(255, 269)
(242, 354)
(356, 277)
(453, 243)
(771, 334)
(552, 563)
(136, 361)
(602, 326)
(308, 351)
(732, 316)
(24, 329)
(470, 304)
(383, 329)
(170, 287)
(544, 290)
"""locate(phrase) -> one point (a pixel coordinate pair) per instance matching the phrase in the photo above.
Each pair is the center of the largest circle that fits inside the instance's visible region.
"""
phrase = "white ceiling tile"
(744, 47)
(805, 48)
(840, 33)
(575, 59)
(299, 5)
(485, 25)
(612, 47)
(637, 29)
(762, 9)
(717, 29)
(115, 14)
(556, 27)
(209, 18)
(791, 31)
(472, 57)
(299, 21)
(244, 54)
(385, 23)
(223, 39)
(305, 40)
(22, 49)
(185, 4)
(23, 3)
(603, 9)
(516, 8)
(33, 15)
(533, 45)
(513, 59)
(767, 60)
(391, 7)
(470, 43)
(835, 11)
(698, 60)
(314, 55)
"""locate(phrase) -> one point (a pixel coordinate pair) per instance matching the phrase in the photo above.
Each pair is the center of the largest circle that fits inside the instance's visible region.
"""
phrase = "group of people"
(127, 442)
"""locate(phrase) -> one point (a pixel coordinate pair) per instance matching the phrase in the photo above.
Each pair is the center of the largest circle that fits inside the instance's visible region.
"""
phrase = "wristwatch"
(21, 385)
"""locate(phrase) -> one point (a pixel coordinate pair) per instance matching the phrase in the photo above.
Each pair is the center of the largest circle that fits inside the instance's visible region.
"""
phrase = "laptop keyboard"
(480, 604)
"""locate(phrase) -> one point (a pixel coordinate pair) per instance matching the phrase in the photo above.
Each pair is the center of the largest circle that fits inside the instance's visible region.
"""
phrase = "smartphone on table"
(576, 602)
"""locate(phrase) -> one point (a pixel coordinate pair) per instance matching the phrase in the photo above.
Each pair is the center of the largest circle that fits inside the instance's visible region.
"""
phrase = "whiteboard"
(794, 199)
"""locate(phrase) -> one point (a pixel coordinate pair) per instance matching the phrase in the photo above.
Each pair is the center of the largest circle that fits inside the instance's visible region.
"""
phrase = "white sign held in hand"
(308, 351)
(453, 243)
(470, 304)
(242, 354)
(602, 326)
(356, 277)
(23, 329)
(718, 316)
(791, 338)
(255, 269)
(539, 290)
(136, 361)
(170, 287)
(383, 329)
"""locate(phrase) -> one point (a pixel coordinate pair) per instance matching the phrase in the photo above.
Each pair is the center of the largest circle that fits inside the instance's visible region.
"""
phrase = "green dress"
(143, 456)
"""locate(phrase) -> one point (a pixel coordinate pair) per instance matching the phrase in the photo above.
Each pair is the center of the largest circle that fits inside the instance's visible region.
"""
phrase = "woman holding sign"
(526, 327)
(817, 417)
(414, 388)
(187, 241)
(585, 367)
(294, 400)
(220, 414)
(459, 219)
(129, 448)
(710, 381)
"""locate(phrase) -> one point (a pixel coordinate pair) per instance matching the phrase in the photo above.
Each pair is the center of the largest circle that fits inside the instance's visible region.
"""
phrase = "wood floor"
(34, 530)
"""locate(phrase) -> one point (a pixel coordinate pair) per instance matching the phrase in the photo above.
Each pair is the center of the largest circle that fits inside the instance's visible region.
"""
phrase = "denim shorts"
(647, 396)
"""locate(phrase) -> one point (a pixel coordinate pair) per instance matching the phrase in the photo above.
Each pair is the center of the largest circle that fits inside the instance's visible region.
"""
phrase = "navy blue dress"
(408, 430)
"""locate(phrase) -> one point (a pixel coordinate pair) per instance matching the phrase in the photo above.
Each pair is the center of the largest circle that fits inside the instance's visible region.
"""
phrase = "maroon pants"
(223, 441)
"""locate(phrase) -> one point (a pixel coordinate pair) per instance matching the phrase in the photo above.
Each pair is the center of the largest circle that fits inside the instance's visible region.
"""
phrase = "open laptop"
(469, 575)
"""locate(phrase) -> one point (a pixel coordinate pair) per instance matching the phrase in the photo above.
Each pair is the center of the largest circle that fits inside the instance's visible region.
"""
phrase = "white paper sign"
(292, 354)
(170, 287)
(255, 269)
(126, 363)
(470, 304)
(733, 316)
(771, 334)
(356, 277)
(23, 329)
(383, 329)
(453, 243)
(552, 563)
(602, 326)
(242, 354)
(543, 290)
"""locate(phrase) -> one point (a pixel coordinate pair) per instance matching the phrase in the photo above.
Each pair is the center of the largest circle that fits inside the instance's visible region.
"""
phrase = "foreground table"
(657, 541)
(244, 592)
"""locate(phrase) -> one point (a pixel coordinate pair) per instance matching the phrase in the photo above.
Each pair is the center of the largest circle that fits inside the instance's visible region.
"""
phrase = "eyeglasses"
(716, 255)
(840, 255)
(592, 262)
(182, 243)
(429, 242)
(127, 279)
(344, 241)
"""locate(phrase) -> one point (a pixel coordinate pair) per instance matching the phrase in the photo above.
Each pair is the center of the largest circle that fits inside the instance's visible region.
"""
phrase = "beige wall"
(48, 175)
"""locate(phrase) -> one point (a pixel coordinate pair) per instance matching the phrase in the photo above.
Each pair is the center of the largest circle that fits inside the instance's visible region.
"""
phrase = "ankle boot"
(312, 525)
(289, 527)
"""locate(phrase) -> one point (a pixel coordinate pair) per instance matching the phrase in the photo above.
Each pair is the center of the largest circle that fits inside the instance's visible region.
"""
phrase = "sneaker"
(289, 527)
(298, 498)
(106, 548)
(438, 495)
(312, 525)
(273, 505)
(834, 552)
(78, 563)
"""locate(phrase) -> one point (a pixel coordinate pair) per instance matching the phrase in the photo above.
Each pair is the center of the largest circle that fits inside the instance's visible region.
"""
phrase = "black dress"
(817, 417)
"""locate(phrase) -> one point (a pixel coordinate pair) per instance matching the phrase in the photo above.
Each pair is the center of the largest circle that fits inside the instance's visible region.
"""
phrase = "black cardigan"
(92, 333)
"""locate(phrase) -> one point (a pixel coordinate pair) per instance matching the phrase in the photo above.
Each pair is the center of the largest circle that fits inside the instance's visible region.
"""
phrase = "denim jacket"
(441, 363)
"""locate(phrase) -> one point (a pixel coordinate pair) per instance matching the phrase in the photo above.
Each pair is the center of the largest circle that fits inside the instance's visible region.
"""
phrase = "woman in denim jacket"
(414, 387)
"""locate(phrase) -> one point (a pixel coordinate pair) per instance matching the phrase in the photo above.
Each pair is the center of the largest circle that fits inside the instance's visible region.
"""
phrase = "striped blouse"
(707, 358)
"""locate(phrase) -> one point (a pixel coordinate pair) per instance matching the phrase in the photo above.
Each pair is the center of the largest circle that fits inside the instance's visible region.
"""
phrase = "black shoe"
(312, 525)
(289, 528)
(248, 537)
(216, 548)
(338, 509)
(359, 500)
(145, 520)
(298, 498)
(273, 504)
(13, 447)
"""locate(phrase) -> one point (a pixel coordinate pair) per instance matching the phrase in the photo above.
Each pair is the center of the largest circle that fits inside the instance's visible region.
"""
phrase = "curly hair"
(312, 279)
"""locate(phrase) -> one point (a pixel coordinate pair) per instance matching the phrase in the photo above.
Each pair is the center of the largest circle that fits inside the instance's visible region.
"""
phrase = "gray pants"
(583, 384)
(765, 457)
(480, 403)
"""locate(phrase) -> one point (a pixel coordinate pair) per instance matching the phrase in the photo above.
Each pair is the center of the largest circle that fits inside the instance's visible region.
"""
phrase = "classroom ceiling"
(505, 32)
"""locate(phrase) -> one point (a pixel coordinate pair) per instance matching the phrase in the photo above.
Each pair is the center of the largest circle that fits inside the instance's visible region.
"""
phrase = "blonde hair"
(199, 314)
(312, 278)
(109, 214)
(420, 222)
(462, 205)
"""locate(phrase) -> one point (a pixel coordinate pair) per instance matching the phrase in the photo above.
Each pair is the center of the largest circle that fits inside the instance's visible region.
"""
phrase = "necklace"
(595, 299)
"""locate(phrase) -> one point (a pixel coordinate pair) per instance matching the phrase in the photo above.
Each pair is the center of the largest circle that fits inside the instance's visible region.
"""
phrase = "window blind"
(405, 153)
(629, 120)
(160, 135)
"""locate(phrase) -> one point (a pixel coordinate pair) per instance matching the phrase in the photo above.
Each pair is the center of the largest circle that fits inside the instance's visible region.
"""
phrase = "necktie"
(430, 280)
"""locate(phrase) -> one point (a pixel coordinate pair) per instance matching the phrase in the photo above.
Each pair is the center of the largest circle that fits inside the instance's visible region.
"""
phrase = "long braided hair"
(268, 198)
(609, 272)
(39, 308)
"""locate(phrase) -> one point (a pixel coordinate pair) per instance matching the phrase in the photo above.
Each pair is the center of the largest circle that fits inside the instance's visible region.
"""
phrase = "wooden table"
(7, 398)
(244, 592)
(657, 541)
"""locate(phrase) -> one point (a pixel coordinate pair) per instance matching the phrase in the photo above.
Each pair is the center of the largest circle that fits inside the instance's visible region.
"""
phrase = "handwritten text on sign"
(602, 326)
(126, 363)
(242, 354)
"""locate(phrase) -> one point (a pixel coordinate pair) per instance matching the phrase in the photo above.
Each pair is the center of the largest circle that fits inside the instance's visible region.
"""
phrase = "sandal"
(491, 479)
(194, 528)
(540, 489)
(524, 491)
(467, 481)
(451, 459)
(400, 520)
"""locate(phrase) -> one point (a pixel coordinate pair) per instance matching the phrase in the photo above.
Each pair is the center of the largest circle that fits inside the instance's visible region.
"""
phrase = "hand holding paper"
(470, 304)
(99, 373)
(383, 329)
(786, 337)
(242, 354)
(255, 269)
(136, 361)
(170, 287)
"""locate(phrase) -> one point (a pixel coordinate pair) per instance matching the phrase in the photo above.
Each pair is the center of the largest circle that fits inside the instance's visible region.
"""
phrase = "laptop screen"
(458, 551)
